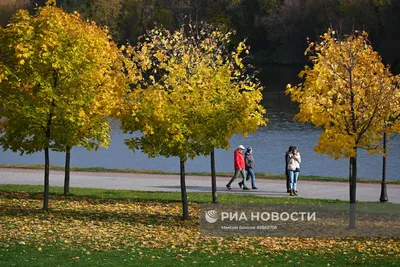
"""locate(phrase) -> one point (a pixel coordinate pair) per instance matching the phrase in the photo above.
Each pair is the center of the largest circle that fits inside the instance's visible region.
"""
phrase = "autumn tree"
(392, 127)
(349, 93)
(60, 79)
(192, 95)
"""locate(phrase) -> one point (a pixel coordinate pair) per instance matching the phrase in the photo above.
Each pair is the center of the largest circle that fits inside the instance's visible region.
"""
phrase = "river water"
(269, 145)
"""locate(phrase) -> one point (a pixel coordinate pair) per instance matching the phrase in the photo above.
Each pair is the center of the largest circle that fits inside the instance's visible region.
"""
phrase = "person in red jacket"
(239, 168)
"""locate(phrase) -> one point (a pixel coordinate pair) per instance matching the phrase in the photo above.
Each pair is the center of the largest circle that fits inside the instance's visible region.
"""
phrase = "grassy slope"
(100, 209)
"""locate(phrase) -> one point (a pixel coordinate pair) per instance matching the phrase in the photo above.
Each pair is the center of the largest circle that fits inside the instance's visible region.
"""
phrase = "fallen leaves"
(98, 225)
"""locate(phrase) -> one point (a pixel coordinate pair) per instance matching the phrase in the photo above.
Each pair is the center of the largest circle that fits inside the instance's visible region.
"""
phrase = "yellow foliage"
(348, 92)
(108, 224)
(192, 94)
(58, 66)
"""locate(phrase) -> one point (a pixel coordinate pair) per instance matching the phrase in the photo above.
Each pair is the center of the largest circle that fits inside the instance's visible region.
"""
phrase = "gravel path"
(157, 182)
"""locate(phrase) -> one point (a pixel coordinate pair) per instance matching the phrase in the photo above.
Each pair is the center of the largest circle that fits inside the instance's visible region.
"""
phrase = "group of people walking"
(244, 165)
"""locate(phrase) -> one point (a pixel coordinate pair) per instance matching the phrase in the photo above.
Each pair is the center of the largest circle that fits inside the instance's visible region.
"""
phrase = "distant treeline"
(276, 30)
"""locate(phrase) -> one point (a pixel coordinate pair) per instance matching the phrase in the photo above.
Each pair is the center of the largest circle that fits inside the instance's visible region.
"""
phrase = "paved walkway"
(156, 182)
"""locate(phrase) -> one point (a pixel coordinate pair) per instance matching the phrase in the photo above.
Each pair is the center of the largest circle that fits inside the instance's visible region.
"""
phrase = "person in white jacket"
(293, 167)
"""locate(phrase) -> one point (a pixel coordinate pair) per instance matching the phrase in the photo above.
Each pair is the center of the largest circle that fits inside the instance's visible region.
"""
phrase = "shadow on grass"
(92, 213)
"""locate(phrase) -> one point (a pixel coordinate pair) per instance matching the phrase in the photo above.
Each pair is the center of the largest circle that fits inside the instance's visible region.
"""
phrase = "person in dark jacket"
(286, 169)
(249, 162)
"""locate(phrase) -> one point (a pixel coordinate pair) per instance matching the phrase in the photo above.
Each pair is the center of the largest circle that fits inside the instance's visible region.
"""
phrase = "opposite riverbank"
(220, 174)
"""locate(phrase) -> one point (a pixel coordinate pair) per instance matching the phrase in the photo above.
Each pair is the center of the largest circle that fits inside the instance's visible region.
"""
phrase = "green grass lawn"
(21, 256)
(101, 227)
(36, 191)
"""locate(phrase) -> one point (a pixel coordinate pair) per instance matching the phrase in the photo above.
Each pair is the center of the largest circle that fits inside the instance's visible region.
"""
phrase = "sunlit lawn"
(97, 227)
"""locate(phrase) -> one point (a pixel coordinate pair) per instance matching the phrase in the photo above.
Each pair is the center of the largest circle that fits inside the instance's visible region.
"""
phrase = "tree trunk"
(67, 170)
(47, 155)
(213, 178)
(185, 205)
(384, 197)
(353, 182)
(46, 179)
